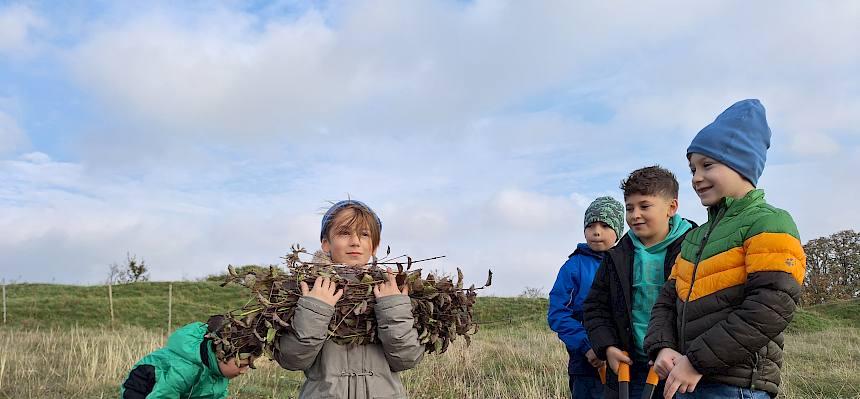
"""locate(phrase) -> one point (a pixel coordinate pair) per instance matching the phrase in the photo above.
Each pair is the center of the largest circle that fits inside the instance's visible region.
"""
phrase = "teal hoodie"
(648, 278)
(180, 371)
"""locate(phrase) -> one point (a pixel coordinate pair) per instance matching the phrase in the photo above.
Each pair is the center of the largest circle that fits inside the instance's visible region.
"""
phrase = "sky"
(200, 134)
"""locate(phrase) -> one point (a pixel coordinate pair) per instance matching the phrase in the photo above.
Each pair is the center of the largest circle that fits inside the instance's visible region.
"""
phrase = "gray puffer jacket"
(351, 371)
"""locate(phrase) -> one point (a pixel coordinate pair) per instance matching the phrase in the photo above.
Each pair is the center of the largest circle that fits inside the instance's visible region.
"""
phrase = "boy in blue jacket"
(604, 221)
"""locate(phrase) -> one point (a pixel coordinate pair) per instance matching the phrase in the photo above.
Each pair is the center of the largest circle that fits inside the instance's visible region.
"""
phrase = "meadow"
(59, 342)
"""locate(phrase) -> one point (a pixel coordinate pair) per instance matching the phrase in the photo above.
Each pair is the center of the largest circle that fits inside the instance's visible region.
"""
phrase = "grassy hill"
(146, 304)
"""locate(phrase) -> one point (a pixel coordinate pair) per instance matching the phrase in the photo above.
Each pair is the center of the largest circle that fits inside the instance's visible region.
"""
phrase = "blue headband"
(329, 214)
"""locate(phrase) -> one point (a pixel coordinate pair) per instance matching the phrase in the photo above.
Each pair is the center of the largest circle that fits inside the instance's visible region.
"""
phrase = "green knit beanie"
(607, 210)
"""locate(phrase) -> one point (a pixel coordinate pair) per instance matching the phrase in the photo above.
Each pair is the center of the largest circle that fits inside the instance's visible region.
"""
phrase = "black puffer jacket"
(608, 306)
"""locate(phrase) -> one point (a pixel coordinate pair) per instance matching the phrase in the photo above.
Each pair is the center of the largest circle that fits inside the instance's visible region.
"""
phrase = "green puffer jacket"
(185, 368)
(732, 292)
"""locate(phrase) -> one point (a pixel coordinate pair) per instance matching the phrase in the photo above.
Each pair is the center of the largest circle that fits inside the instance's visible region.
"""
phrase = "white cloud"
(17, 25)
(35, 157)
(468, 126)
(224, 73)
(813, 143)
(517, 209)
(11, 135)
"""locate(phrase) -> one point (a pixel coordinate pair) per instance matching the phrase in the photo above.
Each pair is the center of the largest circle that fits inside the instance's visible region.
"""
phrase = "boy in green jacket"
(618, 306)
(716, 328)
(186, 368)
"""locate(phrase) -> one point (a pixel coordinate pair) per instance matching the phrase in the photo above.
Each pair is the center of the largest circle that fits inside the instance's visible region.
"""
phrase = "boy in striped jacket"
(717, 327)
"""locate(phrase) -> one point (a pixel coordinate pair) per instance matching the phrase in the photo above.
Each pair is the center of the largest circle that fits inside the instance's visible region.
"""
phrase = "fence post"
(169, 307)
(110, 299)
(4, 302)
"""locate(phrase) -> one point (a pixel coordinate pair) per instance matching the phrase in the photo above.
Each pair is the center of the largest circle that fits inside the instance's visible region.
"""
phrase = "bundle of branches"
(233, 338)
(441, 307)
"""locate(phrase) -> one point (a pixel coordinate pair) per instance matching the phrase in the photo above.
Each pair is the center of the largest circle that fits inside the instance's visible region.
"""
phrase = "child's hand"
(682, 379)
(615, 356)
(665, 362)
(389, 287)
(593, 360)
(324, 290)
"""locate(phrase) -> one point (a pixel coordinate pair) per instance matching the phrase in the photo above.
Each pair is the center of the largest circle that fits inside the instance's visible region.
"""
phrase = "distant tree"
(256, 269)
(133, 270)
(532, 292)
(115, 274)
(832, 268)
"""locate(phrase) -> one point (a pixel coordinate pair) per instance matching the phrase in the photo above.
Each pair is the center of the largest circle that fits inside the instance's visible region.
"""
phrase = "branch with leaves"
(442, 308)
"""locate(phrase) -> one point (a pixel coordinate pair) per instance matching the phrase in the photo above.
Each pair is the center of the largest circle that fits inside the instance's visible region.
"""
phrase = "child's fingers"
(625, 359)
(318, 283)
(691, 386)
(376, 290)
(391, 279)
(338, 294)
(672, 385)
(405, 290)
(613, 364)
(661, 371)
(304, 287)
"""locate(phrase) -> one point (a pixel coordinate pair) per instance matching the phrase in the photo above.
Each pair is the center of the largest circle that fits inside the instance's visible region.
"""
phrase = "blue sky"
(205, 133)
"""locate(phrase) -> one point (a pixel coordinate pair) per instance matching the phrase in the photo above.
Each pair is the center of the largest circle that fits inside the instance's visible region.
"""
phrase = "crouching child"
(186, 367)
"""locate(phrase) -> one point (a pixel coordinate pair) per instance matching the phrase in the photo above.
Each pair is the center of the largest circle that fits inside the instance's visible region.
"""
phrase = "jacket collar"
(583, 248)
(734, 206)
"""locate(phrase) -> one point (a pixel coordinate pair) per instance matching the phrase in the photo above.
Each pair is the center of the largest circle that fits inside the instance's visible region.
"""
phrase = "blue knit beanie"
(738, 138)
(329, 214)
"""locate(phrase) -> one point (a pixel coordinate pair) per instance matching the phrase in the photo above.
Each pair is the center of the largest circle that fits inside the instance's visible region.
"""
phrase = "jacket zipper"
(683, 336)
(754, 375)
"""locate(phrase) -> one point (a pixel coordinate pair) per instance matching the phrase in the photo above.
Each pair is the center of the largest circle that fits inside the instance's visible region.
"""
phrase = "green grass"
(62, 332)
(145, 305)
(827, 316)
(138, 304)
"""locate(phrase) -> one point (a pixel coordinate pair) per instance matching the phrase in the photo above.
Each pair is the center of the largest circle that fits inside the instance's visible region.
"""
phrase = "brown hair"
(360, 218)
(651, 180)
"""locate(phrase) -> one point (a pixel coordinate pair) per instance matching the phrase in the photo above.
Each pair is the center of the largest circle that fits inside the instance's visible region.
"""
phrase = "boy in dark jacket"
(716, 329)
(618, 307)
(186, 367)
(603, 223)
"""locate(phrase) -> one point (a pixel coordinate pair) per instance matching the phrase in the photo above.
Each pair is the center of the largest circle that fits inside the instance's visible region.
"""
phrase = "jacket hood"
(185, 342)
(677, 227)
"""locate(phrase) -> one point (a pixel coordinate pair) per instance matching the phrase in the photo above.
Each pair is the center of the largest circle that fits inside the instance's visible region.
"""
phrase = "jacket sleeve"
(297, 350)
(396, 332)
(775, 267)
(172, 383)
(662, 326)
(560, 315)
(597, 318)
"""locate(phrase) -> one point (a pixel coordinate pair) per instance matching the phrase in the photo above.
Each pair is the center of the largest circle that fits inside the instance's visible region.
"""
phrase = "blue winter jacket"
(565, 306)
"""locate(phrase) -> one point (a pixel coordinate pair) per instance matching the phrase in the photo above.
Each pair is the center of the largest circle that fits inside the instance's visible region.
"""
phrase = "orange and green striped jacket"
(733, 290)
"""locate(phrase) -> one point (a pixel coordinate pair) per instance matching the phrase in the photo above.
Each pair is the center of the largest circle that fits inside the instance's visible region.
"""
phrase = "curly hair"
(651, 180)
